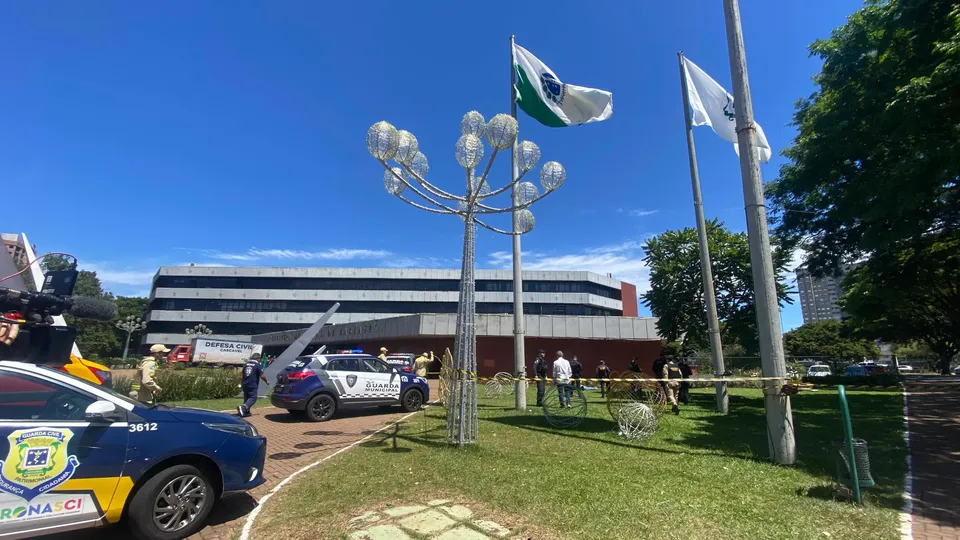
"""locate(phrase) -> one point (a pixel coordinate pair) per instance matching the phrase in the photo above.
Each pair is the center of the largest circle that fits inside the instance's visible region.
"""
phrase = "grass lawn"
(702, 476)
(224, 404)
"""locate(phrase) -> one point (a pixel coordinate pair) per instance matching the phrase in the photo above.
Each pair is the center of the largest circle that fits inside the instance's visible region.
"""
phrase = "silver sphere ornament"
(473, 124)
(392, 183)
(525, 221)
(637, 422)
(552, 175)
(475, 184)
(407, 147)
(528, 155)
(382, 140)
(462, 210)
(502, 131)
(469, 151)
(419, 165)
(527, 192)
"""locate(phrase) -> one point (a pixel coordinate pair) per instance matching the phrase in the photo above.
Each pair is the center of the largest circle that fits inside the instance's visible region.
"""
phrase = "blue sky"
(233, 132)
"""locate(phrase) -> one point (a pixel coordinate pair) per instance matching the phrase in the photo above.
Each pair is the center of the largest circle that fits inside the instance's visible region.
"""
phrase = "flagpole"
(780, 434)
(713, 324)
(520, 389)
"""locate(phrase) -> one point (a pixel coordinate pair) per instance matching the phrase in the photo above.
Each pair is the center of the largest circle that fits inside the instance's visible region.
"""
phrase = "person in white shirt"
(561, 374)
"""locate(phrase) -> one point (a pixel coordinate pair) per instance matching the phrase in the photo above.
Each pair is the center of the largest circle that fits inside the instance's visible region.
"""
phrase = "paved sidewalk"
(934, 410)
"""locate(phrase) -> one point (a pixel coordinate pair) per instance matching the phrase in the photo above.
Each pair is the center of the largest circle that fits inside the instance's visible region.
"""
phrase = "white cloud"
(421, 262)
(120, 276)
(624, 261)
(796, 259)
(258, 254)
(640, 212)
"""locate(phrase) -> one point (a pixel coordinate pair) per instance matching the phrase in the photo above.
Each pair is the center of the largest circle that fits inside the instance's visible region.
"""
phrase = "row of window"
(320, 306)
(380, 284)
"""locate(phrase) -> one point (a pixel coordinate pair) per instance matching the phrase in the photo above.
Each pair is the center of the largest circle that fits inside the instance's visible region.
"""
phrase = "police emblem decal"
(351, 380)
(36, 462)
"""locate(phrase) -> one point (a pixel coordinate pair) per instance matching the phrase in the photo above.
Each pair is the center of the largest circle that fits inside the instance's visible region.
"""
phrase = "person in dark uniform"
(577, 368)
(540, 372)
(687, 372)
(252, 375)
(634, 366)
(603, 372)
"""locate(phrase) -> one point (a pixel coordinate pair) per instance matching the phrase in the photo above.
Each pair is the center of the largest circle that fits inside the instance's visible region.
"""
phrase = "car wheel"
(321, 407)
(412, 400)
(171, 505)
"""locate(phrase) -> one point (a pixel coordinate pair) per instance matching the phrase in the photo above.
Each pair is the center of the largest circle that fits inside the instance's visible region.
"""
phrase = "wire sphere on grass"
(564, 417)
(492, 389)
(635, 388)
(506, 382)
(636, 422)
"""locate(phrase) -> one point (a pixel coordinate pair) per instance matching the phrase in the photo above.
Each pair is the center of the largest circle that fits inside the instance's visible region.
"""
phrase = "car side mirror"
(101, 411)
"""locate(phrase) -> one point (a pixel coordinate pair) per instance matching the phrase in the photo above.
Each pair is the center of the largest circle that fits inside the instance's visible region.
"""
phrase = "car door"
(59, 471)
(382, 381)
(347, 377)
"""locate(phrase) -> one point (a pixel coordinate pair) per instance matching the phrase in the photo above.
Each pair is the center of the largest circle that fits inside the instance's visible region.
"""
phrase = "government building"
(581, 313)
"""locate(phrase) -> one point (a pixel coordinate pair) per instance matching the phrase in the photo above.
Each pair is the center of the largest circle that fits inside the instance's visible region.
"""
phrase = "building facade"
(819, 297)
(16, 248)
(240, 302)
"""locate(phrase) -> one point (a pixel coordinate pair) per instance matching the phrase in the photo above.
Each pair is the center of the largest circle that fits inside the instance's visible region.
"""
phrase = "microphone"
(91, 308)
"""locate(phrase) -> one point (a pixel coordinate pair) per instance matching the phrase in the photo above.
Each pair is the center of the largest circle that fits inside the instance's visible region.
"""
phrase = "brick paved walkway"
(291, 445)
(934, 410)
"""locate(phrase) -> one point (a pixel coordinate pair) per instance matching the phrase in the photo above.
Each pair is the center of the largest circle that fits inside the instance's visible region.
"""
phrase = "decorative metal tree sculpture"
(198, 330)
(385, 143)
(130, 325)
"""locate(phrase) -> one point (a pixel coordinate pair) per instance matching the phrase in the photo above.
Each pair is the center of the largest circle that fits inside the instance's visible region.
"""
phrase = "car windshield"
(87, 384)
(819, 369)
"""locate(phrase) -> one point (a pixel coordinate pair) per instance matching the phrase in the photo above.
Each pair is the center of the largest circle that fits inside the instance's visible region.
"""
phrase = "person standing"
(252, 375)
(147, 370)
(383, 354)
(540, 372)
(671, 372)
(603, 373)
(421, 363)
(687, 372)
(561, 375)
(576, 368)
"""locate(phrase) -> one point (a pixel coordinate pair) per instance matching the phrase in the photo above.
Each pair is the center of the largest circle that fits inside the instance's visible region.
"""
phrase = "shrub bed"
(189, 384)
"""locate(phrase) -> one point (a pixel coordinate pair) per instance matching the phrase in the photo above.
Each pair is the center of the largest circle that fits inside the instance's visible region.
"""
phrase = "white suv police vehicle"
(316, 386)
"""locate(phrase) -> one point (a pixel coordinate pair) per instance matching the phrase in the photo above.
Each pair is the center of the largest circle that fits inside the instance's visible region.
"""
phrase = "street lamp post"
(198, 330)
(130, 325)
(385, 143)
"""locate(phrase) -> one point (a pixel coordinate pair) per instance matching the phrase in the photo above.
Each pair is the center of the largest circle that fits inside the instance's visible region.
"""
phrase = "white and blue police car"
(316, 386)
(75, 455)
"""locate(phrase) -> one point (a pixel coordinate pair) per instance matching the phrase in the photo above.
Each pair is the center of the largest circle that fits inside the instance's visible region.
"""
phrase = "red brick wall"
(495, 354)
(628, 295)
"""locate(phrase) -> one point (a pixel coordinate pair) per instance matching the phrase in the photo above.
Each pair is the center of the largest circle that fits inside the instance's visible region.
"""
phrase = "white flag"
(542, 95)
(713, 106)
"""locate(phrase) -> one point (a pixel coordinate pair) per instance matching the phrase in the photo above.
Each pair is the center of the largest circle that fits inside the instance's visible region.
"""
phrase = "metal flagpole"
(780, 434)
(520, 390)
(713, 325)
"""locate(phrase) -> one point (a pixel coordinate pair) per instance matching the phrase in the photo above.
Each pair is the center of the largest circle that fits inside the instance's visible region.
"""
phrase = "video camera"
(38, 340)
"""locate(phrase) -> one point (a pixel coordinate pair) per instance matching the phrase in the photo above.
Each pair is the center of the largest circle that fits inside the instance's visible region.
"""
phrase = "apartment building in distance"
(820, 297)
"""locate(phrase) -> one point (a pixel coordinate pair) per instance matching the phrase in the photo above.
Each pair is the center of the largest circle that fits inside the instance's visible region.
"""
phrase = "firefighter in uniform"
(540, 371)
(147, 369)
(671, 372)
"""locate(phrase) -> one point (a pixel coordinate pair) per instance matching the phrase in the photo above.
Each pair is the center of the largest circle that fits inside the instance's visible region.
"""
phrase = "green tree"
(676, 286)
(877, 156)
(834, 340)
(913, 350)
(910, 292)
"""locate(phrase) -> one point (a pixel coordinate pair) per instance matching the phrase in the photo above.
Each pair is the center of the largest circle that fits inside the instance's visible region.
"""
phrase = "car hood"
(187, 414)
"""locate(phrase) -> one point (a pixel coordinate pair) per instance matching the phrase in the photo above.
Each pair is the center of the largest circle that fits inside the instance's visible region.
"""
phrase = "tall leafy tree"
(910, 292)
(877, 157)
(833, 340)
(676, 286)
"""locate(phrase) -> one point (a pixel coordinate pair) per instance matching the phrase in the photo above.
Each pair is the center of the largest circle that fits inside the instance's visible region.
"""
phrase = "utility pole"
(780, 434)
(713, 324)
(519, 369)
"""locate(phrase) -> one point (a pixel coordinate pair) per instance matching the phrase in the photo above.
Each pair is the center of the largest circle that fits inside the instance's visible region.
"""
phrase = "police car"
(75, 455)
(316, 386)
